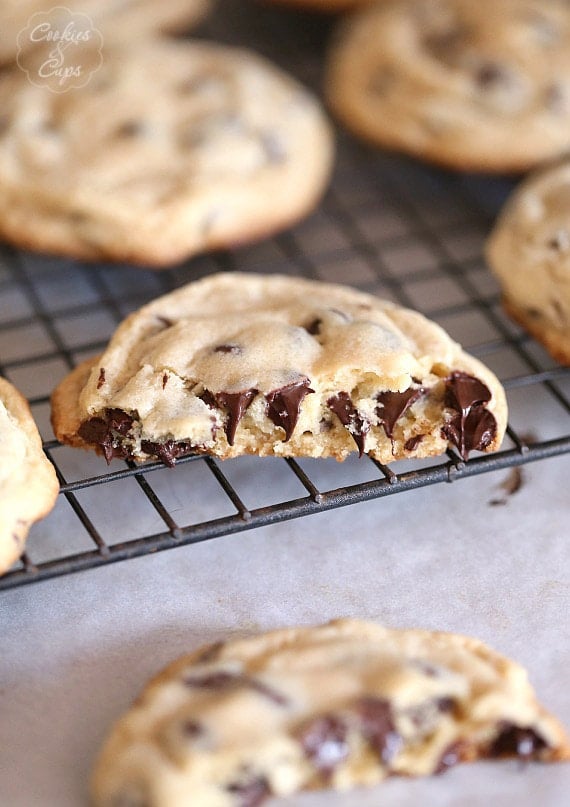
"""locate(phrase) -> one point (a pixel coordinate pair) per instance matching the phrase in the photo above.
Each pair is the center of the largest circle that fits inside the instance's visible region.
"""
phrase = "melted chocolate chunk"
(350, 417)
(324, 742)
(101, 379)
(235, 350)
(472, 427)
(451, 756)
(378, 728)
(228, 680)
(251, 793)
(314, 327)
(105, 432)
(236, 404)
(516, 741)
(284, 405)
(392, 405)
(413, 442)
(167, 452)
(164, 380)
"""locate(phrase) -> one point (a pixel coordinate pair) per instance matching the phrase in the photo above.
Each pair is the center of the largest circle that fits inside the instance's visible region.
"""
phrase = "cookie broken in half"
(341, 705)
(272, 365)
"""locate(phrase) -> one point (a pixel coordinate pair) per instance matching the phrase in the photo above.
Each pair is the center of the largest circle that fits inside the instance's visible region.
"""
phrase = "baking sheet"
(76, 650)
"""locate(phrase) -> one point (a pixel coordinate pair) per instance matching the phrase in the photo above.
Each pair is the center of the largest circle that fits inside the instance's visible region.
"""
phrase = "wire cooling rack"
(387, 226)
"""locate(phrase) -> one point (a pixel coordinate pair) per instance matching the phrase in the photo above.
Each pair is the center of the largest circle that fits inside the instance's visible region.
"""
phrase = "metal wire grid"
(387, 226)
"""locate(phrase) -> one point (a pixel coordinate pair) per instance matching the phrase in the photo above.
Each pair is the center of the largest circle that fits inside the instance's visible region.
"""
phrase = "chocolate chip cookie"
(273, 365)
(170, 149)
(529, 251)
(473, 86)
(28, 482)
(341, 705)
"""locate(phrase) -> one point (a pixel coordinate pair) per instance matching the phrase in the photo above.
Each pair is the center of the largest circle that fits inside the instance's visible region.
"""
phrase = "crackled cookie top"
(529, 251)
(28, 483)
(481, 86)
(238, 363)
(169, 149)
(341, 705)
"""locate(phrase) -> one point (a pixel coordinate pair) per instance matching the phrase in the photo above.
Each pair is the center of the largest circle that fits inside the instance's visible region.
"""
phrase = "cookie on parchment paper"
(116, 20)
(341, 705)
(529, 251)
(170, 149)
(28, 482)
(475, 86)
(274, 365)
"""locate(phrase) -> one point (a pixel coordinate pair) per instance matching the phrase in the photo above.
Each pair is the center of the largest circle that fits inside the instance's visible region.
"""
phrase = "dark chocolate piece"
(167, 452)
(377, 726)
(324, 742)
(284, 405)
(164, 380)
(351, 418)
(251, 793)
(413, 442)
(392, 405)
(314, 327)
(228, 680)
(233, 349)
(101, 379)
(236, 404)
(472, 427)
(103, 432)
(516, 741)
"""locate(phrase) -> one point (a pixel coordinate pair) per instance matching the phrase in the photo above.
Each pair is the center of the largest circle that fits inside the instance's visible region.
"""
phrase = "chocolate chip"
(392, 405)
(314, 327)
(101, 379)
(516, 741)
(472, 427)
(490, 74)
(169, 451)
(351, 418)
(413, 442)
(165, 322)
(164, 380)
(130, 128)
(284, 405)
(228, 680)
(251, 793)
(453, 754)
(377, 726)
(324, 742)
(119, 421)
(236, 404)
(233, 349)
(102, 432)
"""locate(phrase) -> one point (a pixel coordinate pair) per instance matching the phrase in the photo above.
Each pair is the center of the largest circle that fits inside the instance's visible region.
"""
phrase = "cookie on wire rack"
(28, 482)
(529, 252)
(341, 705)
(169, 149)
(274, 365)
(475, 86)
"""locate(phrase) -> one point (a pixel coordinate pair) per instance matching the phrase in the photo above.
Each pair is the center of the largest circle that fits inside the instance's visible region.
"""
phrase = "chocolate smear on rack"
(510, 485)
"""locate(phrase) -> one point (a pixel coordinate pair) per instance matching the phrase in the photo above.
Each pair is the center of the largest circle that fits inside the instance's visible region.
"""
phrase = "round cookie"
(274, 365)
(117, 20)
(529, 251)
(341, 705)
(170, 149)
(28, 482)
(471, 86)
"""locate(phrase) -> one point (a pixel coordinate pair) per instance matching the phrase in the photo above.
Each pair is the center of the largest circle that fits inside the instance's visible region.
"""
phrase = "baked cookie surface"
(117, 20)
(273, 365)
(469, 85)
(170, 149)
(529, 251)
(340, 705)
(28, 482)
